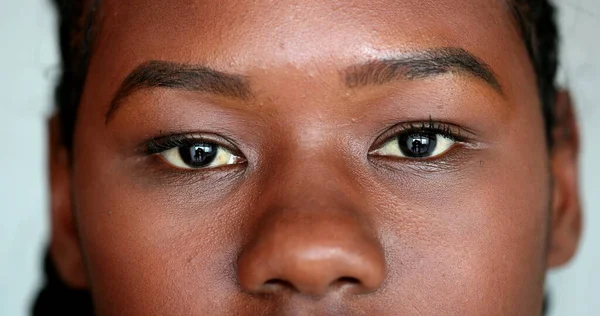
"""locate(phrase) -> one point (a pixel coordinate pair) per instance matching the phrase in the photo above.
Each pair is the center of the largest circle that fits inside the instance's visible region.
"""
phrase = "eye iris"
(198, 155)
(417, 144)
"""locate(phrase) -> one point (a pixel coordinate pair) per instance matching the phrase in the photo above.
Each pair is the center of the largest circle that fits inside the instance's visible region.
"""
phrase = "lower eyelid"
(453, 159)
(158, 173)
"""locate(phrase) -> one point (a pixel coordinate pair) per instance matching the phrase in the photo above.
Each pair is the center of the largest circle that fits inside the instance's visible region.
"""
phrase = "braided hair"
(535, 19)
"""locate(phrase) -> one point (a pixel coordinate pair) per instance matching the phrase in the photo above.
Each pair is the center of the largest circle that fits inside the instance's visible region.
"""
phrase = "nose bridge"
(311, 172)
(314, 236)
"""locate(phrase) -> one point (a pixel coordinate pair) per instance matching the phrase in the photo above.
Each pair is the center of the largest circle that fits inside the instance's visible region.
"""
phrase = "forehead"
(233, 34)
(284, 45)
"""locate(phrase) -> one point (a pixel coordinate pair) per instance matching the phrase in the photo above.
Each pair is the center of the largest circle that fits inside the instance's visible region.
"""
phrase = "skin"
(312, 222)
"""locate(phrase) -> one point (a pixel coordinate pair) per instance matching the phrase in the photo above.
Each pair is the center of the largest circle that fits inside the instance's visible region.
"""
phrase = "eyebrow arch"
(420, 65)
(163, 74)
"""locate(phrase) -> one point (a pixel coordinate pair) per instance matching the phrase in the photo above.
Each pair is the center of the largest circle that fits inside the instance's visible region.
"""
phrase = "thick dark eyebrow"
(162, 74)
(420, 65)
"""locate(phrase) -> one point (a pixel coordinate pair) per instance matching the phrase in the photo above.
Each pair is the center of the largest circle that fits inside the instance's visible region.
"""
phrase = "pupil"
(198, 155)
(417, 144)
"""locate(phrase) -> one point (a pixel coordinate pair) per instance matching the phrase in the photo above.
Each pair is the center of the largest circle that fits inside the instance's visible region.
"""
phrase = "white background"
(28, 67)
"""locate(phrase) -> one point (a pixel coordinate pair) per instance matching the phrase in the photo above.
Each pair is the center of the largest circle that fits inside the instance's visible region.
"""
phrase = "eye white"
(222, 158)
(392, 148)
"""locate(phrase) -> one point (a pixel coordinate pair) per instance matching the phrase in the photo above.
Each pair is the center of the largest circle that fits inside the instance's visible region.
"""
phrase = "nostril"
(276, 285)
(346, 281)
(349, 280)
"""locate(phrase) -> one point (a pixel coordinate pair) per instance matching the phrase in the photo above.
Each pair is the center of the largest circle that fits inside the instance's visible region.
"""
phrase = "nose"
(313, 254)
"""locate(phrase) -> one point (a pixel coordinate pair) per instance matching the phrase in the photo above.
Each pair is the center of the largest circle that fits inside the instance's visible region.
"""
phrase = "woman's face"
(311, 158)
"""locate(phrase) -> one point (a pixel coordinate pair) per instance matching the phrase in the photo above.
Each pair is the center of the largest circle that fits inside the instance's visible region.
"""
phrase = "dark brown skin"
(312, 220)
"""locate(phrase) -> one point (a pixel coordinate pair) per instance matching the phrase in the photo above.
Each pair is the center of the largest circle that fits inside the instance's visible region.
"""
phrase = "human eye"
(192, 151)
(422, 140)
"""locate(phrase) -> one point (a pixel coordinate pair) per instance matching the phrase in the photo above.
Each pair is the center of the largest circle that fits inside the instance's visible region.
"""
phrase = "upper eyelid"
(159, 144)
(461, 134)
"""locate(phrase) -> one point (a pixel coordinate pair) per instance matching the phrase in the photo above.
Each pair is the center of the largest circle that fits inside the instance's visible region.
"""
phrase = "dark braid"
(535, 18)
(75, 21)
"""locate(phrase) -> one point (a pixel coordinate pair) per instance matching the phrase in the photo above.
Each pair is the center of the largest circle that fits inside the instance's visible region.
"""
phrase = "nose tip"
(318, 271)
(314, 262)
(313, 271)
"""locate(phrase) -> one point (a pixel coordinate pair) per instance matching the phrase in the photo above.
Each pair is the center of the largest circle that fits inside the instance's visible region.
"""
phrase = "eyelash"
(158, 145)
(447, 130)
(456, 133)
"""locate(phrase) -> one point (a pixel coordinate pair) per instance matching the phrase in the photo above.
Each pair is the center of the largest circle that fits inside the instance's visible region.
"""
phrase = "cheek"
(472, 240)
(154, 247)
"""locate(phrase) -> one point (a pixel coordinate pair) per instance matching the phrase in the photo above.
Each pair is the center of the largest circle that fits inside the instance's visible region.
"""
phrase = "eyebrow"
(163, 74)
(420, 65)
(412, 66)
